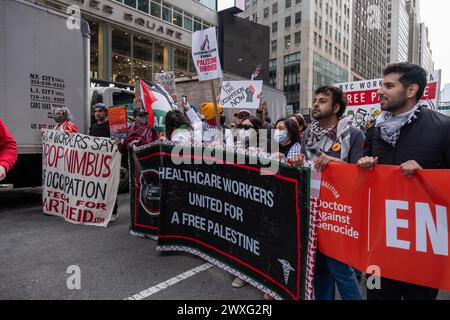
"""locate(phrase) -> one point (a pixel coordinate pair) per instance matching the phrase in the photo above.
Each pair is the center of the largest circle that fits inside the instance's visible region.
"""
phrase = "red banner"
(381, 218)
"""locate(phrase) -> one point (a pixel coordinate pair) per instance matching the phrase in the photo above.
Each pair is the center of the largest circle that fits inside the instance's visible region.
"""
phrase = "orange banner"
(381, 218)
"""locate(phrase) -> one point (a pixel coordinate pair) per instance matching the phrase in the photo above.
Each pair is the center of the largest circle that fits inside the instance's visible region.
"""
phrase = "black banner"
(253, 225)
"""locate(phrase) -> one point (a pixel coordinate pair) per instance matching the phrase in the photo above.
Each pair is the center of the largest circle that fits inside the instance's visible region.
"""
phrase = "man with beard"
(101, 129)
(409, 136)
(331, 138)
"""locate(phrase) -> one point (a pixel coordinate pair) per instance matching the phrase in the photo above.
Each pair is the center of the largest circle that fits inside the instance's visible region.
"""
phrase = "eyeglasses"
(245, 127)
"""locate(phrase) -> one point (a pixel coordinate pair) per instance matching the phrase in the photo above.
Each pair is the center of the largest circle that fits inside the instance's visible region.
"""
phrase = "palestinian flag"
(148, 99)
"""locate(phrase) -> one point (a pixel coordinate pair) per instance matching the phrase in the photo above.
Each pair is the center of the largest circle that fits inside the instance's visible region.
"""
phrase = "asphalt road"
(37, 250)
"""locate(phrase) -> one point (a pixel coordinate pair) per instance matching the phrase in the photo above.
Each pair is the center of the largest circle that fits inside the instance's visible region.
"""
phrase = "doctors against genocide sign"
(205, 54)
(251, 225)
(241, 94)
(402, 229)
(80, 177)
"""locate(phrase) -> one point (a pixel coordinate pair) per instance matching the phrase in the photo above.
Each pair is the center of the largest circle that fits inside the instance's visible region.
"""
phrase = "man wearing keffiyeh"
(331, 138)
(411, 137)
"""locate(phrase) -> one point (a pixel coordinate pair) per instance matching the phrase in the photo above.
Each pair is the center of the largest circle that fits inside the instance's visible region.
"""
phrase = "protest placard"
(117, 119)
(241, 94)
(254, 226)
(80, 177)
(205, 54)
(402, 229)
(363, 103)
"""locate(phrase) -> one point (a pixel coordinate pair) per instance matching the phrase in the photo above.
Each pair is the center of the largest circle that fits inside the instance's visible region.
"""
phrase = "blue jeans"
(330, 272)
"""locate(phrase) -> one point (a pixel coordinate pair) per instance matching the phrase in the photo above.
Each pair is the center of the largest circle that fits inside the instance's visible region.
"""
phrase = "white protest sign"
(205, 54)
(80, 177)
(241, 94)
(167, 81)
(363, 103)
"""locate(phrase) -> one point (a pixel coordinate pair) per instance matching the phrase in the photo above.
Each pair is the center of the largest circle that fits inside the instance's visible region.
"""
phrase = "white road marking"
(164, 285)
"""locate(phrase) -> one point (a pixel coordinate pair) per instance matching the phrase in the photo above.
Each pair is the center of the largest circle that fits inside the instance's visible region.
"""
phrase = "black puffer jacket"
(425, 140)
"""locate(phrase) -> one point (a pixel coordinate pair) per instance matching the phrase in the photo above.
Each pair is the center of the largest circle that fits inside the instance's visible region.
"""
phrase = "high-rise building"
(413, 8)
(310, 44)
(425, 53)
(398, 32)
(369, 38)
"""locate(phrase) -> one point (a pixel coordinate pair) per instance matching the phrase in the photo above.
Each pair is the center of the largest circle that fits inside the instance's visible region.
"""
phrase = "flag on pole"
(148, 98)
(257, 71)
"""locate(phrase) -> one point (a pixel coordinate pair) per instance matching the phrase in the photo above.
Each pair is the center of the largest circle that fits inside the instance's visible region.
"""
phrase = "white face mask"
(280, 136)
(246, 134)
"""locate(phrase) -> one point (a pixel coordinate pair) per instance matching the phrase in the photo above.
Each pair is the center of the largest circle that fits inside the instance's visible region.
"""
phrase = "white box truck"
(44, 64)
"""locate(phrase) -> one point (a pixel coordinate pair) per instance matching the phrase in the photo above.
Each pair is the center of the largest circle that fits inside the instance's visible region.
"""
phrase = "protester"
(101, 129)
(411, 137)
(301, 123)
(287, 134)
(331, 138)
(178, 128)
(8, 150)
(207, 131)
(139, 133)
(247, 137)
(63, 118)
(240, 116)
(248, 133)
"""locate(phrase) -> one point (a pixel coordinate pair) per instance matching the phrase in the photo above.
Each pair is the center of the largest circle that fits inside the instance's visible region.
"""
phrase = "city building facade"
(370, 33)
(398, 32)
(425, 52)
(137, 38)
(413, 8)
(310, 45)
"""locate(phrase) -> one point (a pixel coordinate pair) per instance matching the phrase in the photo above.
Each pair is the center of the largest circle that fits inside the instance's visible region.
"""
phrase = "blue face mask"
(280, 136)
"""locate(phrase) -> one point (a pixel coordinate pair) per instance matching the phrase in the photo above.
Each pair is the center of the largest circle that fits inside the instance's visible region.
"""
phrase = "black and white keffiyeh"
(390, 125)
(322, 140)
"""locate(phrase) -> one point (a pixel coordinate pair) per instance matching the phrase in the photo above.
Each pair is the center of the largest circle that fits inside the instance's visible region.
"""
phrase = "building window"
(121, 56)
(298, 17)
(273, 72)
(297, 37)
(288, 4)
(155, 9)
(167, 12)
(177, 17)
(181, 59)
(188, 25)
(266, 12)
(142, 57)
(131, 3)
(287, 22)
(143, 5)
(275, 8)
(274, 45)
(291, 79)
(274, 27)
(287, 42)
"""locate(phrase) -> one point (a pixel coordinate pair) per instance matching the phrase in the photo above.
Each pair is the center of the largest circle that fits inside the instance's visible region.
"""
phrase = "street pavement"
(36, 251)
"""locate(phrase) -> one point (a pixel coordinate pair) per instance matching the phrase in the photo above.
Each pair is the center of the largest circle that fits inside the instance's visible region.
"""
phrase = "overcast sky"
(435, 14)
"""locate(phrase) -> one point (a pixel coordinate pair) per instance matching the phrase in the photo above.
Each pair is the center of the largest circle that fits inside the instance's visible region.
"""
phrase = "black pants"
(396, 290)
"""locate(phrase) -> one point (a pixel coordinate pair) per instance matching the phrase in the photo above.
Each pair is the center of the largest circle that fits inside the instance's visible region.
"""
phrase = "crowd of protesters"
(405, 134)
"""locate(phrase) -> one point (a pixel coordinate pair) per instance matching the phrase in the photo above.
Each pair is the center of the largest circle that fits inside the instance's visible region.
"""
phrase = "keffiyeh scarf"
(390, 125)
(322, 140)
